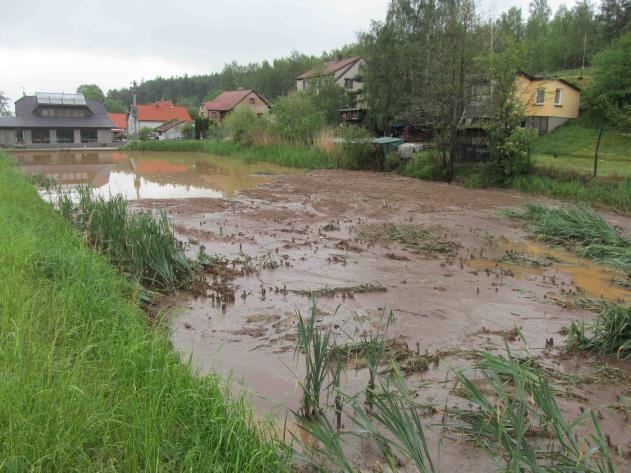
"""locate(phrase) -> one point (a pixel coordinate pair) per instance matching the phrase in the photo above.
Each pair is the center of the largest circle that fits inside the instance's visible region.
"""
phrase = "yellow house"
(549, 102)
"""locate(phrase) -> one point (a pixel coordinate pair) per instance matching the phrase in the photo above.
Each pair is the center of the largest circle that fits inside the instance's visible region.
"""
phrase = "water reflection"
(148, 175)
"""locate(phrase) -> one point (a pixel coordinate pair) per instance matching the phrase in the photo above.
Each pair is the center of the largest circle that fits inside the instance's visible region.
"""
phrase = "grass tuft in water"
(514, 414)
(609, 334)
(579, 229)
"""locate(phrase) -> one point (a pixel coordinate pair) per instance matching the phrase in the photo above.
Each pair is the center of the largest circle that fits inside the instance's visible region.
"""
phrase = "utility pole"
(584, 52)
(600, 134)
(134, 110)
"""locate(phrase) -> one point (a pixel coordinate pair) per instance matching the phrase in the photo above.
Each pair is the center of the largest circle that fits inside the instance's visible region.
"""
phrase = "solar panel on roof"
(60, 99)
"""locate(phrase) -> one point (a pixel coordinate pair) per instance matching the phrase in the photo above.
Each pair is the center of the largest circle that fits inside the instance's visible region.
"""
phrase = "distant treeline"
(272, 79)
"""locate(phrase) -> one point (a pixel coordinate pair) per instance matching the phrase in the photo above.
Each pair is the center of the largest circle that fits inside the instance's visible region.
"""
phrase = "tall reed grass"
(87, 383)
(515, 415)
(143, 246)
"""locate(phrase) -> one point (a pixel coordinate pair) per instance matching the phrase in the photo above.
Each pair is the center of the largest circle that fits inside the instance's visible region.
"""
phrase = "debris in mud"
(508, 335)
(332, 226)
(332, 291)
(394, 350)
(575, 302)
(514, 257)
(396, 257)
(347, 245)
(420, 240)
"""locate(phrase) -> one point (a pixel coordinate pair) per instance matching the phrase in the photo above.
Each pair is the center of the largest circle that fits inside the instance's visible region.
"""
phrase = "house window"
(19, 136)
(252, 101)
(88, 135)
(540, 96)
(348, 83)
(65, 135)
(40, 135)
(557, 98)
(304, 85)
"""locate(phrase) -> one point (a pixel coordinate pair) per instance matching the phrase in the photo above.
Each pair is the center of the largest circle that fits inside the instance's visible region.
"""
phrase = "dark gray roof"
(25, 118)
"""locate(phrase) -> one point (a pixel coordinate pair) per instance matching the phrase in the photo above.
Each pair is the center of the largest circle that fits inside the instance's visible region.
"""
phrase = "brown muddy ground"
(328, 229)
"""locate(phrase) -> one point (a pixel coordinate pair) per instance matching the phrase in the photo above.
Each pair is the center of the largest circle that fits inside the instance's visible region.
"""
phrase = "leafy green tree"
(244, 126)
(330, 98)
(614, 18)
(609, 93)
(298, 119)
(91, 91)
(509, 140)
(115, 106)
(5, 110)
(212, 95)
(536, 36)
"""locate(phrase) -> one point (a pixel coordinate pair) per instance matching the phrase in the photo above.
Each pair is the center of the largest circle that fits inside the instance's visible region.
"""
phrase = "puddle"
(591, 279)
(149, 175)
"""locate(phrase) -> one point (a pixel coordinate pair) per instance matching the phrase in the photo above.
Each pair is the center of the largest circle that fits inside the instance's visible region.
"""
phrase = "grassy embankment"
(563, 165)
(87, 383)
(280, 154)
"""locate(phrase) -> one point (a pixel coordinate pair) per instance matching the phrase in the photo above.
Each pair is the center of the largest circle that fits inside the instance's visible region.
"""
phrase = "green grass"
(571, 147)
(280, 154)
(87, 383)
(611, 194)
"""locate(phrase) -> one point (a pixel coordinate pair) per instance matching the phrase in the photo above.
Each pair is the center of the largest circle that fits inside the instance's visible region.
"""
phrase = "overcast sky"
(55, 45)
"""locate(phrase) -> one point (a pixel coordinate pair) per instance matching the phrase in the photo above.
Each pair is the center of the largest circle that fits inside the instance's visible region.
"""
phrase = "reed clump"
(581, 230)
(609, 334)
(142, 245)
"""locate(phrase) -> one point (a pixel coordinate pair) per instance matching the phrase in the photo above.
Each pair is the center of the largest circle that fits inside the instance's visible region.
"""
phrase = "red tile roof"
(226, 101)
(328, 68)
(119, 120)
(162, 111)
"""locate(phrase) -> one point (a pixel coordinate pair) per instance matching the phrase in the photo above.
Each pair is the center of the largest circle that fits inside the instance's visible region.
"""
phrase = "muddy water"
(313, 226)
(148, 175)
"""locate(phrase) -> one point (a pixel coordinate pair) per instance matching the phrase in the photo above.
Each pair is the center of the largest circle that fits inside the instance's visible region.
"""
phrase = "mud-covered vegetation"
(88, 384)
(609, 334)
(581, 230)
(510, 410)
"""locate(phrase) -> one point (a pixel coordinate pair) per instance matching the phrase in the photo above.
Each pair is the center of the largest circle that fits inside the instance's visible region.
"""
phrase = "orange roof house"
(119, 120)
(226, 102)
(155, 114)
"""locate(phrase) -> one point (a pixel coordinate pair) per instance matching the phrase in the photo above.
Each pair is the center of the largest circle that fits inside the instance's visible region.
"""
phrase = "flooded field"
(458, 277)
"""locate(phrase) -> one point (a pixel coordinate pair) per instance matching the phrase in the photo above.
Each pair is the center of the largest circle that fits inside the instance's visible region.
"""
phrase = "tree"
(144, 133)
(91, 91)
(298, 119)
(609, 93)
(509, 140)
(536, 36)
(115, 106)
(5, 110)
(330, 98)
(244, 126)
(614, 18)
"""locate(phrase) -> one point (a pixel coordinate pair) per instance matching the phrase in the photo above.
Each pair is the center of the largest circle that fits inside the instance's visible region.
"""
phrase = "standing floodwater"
(147, 175)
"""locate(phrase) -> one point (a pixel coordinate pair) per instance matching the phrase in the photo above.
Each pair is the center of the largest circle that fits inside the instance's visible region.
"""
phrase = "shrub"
(244, 126)
(426, 165)
(144, 133)
(298, 119)
(392, 161)
(357, 149)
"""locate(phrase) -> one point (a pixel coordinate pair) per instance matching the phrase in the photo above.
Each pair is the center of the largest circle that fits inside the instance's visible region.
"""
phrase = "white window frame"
(558, 93)
(543, 96)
